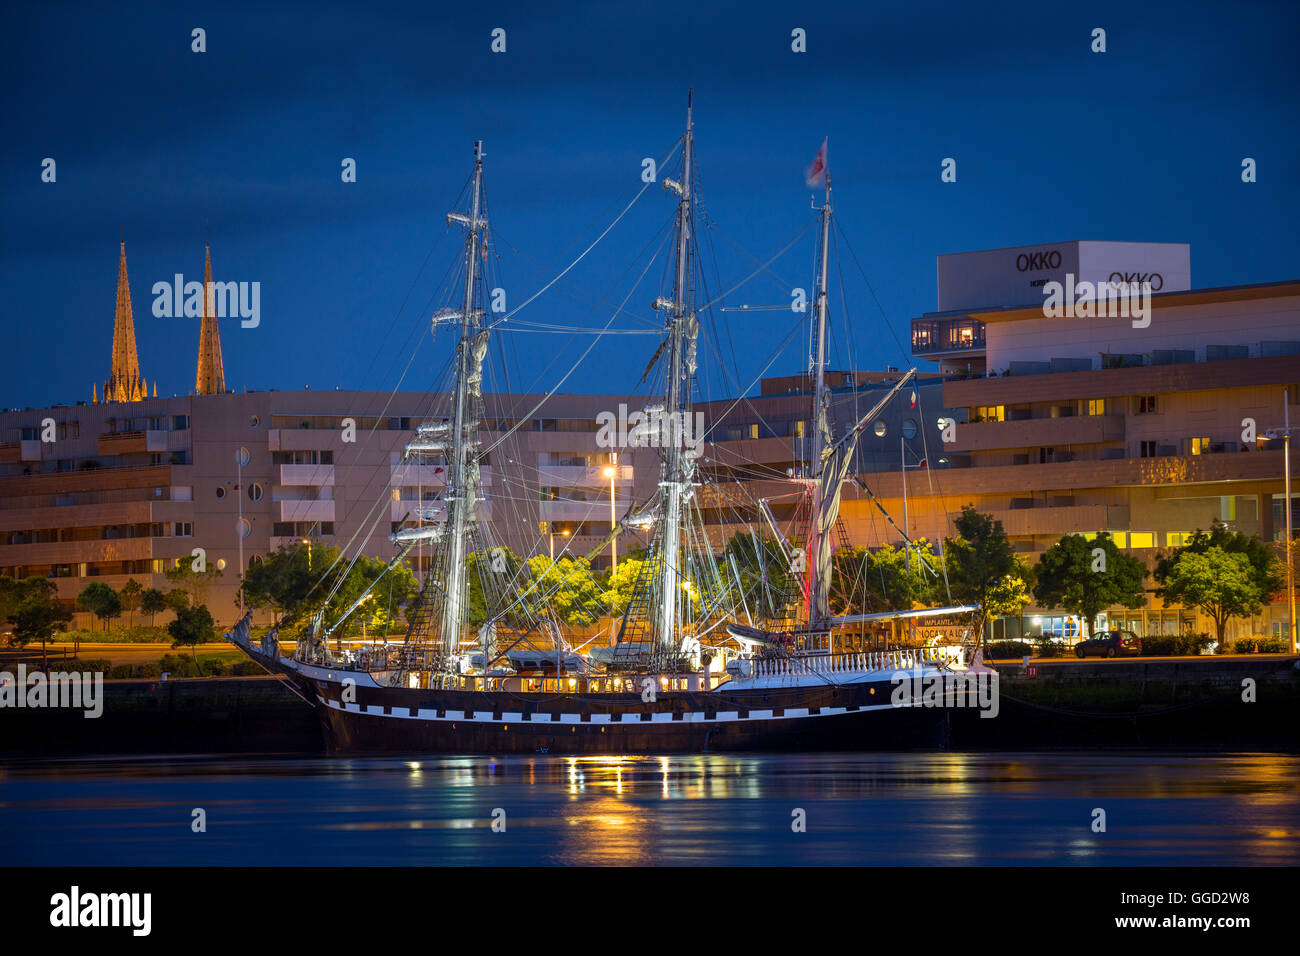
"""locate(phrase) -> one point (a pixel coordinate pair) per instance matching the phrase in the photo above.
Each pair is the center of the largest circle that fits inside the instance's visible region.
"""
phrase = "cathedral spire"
(210, 377)
(124, 381)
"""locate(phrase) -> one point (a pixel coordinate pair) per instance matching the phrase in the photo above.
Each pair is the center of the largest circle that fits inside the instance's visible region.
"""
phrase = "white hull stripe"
(694, 717)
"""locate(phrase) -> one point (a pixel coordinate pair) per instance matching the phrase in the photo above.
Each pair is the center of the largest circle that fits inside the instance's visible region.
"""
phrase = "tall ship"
(695, 662)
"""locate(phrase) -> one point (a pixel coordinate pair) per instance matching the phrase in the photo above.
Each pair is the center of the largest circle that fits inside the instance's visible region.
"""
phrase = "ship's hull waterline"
(855, 717)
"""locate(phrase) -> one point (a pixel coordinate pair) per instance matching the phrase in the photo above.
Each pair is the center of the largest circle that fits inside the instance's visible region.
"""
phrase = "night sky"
(1052, 143)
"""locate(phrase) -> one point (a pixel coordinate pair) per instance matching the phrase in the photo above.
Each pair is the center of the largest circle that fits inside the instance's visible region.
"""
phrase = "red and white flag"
(815, 175)
(912, 402)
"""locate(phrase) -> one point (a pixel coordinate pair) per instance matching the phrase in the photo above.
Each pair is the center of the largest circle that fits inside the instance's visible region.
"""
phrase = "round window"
(253, 421)
(909, 428)
(221, 564)
(255, 492)
(244, 528)
(221, 491)
(880, 429)
(242, 456)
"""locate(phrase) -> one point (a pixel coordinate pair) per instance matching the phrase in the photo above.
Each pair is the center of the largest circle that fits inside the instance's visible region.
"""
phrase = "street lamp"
(1284, 433)
(551, 536)
(610, 472)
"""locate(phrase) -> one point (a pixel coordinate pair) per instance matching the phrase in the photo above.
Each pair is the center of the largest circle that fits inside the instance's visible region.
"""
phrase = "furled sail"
(836, 461)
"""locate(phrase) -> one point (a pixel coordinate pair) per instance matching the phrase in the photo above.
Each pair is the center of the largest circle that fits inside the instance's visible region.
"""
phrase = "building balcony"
(13, 452)
(1059, 521)
(1037, 432)
(300, 510)
(411, 475)
(77, 552)
(958, 335)
(1258, 471)
(434, 511)
(582, 476)
(94, 515)
(130, 443)
(1120, 382)
(579, 510)
(307, 475)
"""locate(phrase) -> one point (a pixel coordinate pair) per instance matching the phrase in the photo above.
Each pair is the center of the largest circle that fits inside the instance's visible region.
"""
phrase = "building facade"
(1148, 427)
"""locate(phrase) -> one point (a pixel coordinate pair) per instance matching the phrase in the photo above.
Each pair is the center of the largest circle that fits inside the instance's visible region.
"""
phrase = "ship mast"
(461, 486)
(673, 479)
(821, 413)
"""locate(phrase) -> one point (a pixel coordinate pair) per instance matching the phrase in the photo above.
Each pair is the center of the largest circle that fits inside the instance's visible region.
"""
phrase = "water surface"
(860, 809)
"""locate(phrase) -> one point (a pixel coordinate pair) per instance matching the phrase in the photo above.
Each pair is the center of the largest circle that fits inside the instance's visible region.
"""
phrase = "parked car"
(1110, 644)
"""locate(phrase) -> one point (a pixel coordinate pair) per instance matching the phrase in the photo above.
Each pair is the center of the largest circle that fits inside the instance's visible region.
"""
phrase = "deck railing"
(902, 659)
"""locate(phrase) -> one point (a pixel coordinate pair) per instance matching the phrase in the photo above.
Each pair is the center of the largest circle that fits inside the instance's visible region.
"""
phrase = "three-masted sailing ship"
(683, 674)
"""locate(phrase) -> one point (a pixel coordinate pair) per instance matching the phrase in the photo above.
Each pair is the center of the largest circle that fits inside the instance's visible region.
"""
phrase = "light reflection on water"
(917, 808)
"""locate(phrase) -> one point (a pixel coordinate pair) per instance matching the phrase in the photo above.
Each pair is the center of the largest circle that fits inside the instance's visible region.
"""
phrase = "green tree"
(196, 584)
(294, 583)
(130, 594)
(193, 626)
(768, 586)
(178, 599)
(1266, 572)
(567, 590)
(10, 595)
(489, 577)
(1086, 577)
(1222, 584)
(621, 583)
(983, 569)
(35, 612)
(100, 600)
(866, 581)
(395, 590)
(152, 601)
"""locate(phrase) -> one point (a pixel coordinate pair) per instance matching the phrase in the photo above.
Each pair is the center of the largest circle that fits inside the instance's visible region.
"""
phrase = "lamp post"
(551, 536)
(610, 472)
(1286, 465)
(1284, 433)
(242, 458)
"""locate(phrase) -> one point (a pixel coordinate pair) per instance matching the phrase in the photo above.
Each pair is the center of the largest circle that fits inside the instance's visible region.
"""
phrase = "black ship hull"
(860, 716)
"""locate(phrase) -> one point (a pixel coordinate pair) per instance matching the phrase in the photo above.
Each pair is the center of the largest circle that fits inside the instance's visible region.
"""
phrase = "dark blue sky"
(1052, 142)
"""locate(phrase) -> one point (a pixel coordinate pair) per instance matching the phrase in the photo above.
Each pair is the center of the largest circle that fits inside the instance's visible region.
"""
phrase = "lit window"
(1200, 446)
(1141, 539)
(1096, 406)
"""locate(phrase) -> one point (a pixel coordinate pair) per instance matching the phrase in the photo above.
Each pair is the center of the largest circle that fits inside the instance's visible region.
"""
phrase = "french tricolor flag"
(815, 175)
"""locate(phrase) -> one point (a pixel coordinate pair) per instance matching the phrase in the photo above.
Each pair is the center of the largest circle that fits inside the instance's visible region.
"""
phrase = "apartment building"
(120, 490)
(1147, 428)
